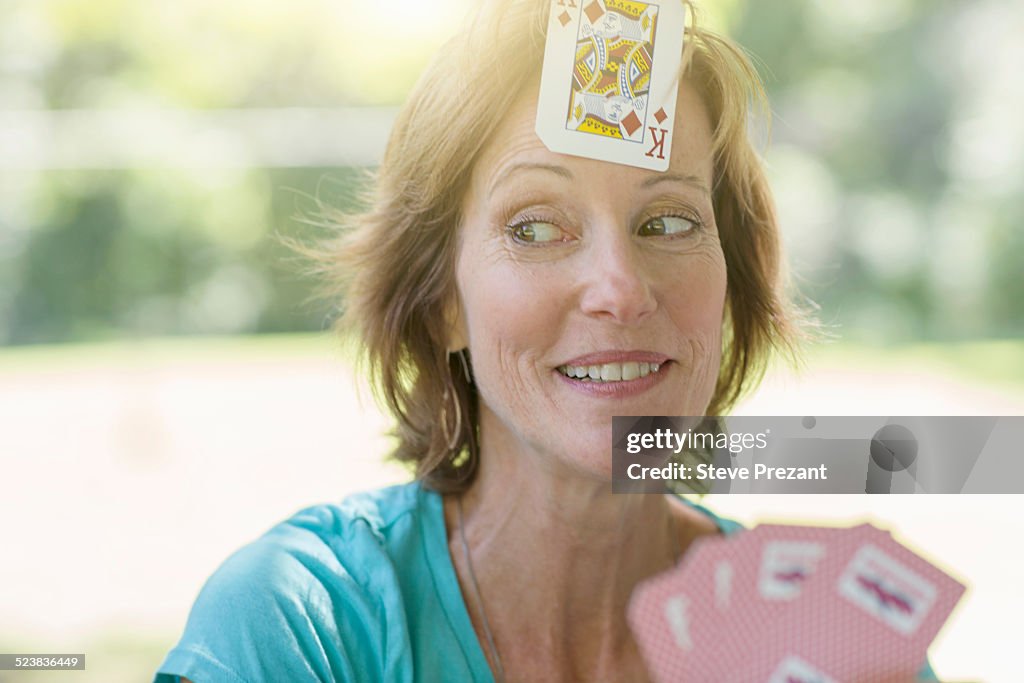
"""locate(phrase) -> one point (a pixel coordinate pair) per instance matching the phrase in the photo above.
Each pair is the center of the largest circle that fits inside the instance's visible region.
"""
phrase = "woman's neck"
(556, 556)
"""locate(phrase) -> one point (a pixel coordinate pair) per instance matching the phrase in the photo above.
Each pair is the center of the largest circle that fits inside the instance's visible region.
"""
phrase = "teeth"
(610, 372)
(630, 371)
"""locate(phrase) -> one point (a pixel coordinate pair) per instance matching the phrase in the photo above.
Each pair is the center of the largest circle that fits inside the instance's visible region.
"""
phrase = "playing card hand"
(790, 603)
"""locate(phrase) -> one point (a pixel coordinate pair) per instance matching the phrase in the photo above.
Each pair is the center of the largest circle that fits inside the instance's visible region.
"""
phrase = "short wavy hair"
(391, 266)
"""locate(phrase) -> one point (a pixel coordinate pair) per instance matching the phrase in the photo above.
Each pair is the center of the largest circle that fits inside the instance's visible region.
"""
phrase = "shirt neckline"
(446, 582)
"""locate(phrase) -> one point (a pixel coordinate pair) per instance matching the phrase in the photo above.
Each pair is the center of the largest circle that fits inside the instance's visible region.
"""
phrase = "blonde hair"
(392, 265)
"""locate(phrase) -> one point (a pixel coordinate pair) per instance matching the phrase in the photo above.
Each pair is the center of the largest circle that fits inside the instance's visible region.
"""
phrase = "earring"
(465, 365)
(452, 438)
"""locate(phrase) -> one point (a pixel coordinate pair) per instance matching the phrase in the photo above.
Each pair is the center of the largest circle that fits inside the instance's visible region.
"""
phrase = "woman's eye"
(667, 225)
(537, 232)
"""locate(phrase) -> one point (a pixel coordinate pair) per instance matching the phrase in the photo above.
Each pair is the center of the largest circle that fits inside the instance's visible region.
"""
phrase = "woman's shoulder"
(378, 514)
(345, 542)
(277, 606)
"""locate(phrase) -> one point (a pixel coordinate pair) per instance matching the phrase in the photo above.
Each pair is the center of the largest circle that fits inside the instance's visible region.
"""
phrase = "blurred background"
(167, 388)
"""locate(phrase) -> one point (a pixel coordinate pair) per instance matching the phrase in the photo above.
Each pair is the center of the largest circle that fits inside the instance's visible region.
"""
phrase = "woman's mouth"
(615, 374)
(610, 372)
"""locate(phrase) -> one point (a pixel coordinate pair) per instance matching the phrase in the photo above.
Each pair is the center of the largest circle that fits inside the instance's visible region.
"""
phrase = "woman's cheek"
(514, 316)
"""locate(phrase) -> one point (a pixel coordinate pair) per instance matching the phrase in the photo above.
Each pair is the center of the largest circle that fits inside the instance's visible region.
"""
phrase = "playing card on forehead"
(610, 80)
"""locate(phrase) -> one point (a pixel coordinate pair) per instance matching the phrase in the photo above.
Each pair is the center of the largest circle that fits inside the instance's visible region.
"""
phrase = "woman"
(510, 300)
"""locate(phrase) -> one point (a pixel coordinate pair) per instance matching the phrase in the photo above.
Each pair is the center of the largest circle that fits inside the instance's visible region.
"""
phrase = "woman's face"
(588, 289)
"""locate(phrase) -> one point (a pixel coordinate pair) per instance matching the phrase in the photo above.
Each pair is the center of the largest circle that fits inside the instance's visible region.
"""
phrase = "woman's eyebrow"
(507, 173)
(677, 178)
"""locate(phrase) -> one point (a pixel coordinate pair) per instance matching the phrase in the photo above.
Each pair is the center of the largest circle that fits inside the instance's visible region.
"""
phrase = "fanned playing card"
(792, 604)
(773, 564)
(610, 81)
(868, 613)
(675, 615)
(694, 622)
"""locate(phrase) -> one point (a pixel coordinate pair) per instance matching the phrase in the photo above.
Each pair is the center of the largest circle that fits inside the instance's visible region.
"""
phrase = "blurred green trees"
(147, 253)
(897, 157)
(906, 171)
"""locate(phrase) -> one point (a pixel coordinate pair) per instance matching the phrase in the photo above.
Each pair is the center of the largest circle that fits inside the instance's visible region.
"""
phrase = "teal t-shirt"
(360, 591)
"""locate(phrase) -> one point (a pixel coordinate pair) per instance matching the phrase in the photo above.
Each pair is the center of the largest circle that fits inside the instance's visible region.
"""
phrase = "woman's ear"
(455, 323)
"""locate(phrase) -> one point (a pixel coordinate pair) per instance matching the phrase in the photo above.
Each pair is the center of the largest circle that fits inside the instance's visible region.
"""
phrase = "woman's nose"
(617, 285)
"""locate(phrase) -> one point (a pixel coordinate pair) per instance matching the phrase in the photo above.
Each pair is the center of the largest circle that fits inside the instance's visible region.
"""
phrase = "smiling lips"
(620, 369)
(609, 372)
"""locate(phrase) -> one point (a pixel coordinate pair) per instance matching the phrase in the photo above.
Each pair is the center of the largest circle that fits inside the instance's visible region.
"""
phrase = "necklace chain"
(499, 676)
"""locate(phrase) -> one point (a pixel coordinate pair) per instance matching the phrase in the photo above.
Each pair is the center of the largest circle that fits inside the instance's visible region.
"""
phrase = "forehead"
(515, 141)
